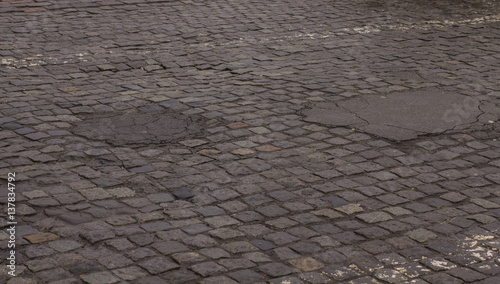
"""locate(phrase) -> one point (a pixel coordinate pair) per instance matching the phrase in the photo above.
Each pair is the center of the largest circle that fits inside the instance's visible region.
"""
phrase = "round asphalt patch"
(406, 114)
(120, 129)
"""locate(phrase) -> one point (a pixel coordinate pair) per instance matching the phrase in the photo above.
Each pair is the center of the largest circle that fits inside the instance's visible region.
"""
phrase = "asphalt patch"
(183, 193)
(402, 115)
(138, 128)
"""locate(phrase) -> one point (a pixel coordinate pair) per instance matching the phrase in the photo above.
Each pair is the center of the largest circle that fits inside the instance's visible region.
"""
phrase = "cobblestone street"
(250, 141)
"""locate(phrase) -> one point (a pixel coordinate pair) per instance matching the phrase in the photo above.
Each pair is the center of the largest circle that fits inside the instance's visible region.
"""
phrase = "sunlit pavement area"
(250, 141)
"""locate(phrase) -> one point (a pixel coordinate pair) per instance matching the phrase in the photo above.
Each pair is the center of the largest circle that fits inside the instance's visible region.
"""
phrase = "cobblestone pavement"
(170, 142)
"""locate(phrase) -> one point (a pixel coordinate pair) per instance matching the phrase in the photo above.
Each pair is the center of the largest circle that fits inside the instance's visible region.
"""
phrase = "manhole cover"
(402, 115)
(139, 128)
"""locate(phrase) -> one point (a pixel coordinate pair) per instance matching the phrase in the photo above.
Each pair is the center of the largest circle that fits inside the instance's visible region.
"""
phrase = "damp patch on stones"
(132, 128)
(402, 115)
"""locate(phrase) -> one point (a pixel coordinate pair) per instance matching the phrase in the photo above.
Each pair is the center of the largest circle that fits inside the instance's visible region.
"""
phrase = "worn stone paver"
(239, 141)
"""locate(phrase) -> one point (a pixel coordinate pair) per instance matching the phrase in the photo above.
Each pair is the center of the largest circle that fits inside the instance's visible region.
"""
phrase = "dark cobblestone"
(245, 186)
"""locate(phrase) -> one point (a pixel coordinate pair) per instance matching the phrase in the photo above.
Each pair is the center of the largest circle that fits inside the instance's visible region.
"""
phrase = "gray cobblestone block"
(485, 203)
(248, 216)
(305, 218)
(181, 276)
(247, 276)
(157, 265)
(416, 253)
(69, 198)
(210, 211)
(239, 263)
(37, 251)
(413, 269)
(179, 213)
(113, 261)
(37, 136)
(94, 236)
(53, 274)
(141, 239)
(130, 273)
(419, 207)
(391, 259)
(63, 281)
(390, 275)
(302, 232)
(79, 266)
(257, 257)
(208, 268)
(239, 247)
(169, 247)
(275, 269)
(272, 211)
(196, 229)
(44, 202)
(442, 278)
(226, 233)
(224, 194)
(395, 226)
(371, 233)
(64, 245)
(147, 217)
(233, 206)
(100, 277)
(140, 253)
(41, 264)
(156, 226)
(220, 221)
(188, 257)
(335, 201)
(254, 230)
(151, 280)
(374, 217)
(215, 253)
(200, 241)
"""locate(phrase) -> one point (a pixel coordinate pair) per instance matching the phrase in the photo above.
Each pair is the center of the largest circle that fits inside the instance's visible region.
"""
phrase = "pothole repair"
(407, 114)
(138, 128)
